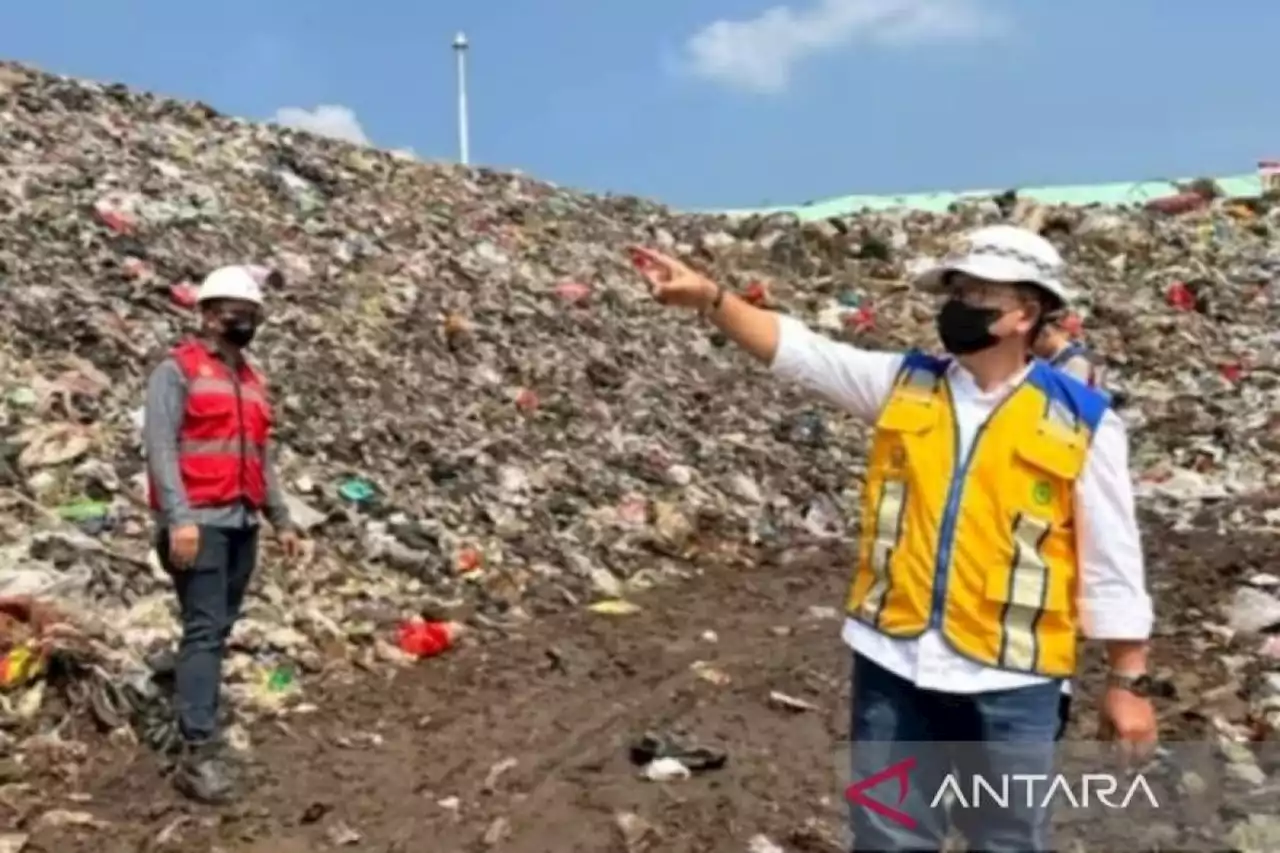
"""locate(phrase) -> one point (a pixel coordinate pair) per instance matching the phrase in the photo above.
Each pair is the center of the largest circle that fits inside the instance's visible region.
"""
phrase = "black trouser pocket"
(1064, 714)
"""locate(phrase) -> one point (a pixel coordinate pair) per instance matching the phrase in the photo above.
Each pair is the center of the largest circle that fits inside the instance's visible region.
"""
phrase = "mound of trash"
(482, 416)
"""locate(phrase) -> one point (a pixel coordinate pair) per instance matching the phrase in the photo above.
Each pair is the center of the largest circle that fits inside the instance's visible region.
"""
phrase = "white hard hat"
(230, 283)
(1003, 253)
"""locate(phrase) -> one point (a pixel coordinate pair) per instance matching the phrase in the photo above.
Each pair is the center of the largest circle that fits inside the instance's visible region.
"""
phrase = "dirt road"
(523, 745)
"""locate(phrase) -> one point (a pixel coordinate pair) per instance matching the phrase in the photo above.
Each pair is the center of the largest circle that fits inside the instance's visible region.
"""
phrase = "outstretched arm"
(856, 380)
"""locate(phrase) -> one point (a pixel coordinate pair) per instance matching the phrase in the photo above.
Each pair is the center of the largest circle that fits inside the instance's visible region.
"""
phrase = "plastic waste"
(358, 491)
(424, 639)
(614, 607)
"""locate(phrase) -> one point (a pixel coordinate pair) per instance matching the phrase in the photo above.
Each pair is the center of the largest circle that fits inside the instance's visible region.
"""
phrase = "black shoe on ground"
(205, 776)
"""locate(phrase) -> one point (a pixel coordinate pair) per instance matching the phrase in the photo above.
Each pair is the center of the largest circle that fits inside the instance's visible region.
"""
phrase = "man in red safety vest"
(207, 435)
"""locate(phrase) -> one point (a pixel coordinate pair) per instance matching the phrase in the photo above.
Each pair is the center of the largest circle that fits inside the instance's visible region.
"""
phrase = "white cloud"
(759, 54)
(331, 120)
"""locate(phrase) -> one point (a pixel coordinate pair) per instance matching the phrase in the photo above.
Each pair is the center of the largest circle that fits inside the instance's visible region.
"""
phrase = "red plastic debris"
(1180, 297)
(183, 294)
(861, 320)
(424, 639)
(114, 218)
(1231, 372)
(468, 560)
(757, 293)
(526, 400)
(573, 292)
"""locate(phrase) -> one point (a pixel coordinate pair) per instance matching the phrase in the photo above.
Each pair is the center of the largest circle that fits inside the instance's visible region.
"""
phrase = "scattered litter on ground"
(484, 422)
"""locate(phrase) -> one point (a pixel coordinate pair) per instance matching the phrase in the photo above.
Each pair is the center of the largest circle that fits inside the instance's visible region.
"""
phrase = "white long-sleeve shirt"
(1112, 597)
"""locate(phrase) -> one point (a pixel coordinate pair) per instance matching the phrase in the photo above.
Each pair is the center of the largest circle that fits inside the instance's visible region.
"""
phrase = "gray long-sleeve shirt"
(165, 408)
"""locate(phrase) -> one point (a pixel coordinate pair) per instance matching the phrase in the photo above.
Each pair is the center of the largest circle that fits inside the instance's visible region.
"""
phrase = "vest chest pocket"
(1047, 468)
(904, 420)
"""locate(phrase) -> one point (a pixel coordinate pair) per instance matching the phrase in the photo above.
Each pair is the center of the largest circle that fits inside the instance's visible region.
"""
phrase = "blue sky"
(720, 103)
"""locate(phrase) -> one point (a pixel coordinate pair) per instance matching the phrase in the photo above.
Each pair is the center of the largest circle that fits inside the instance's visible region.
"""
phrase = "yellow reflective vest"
(982, 548)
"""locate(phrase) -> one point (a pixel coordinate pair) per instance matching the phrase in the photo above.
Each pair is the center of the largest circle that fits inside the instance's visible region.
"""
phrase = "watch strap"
(1139, 683)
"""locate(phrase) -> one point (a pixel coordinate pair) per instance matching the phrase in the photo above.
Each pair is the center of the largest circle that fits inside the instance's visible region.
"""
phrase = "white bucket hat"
(1002, 253)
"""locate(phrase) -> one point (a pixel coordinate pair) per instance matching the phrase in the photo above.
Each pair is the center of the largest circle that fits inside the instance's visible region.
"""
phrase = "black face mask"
(239, 331)
(965, 329)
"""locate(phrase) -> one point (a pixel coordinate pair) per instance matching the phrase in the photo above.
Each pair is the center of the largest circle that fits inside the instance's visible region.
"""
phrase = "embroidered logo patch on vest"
(1042, 493)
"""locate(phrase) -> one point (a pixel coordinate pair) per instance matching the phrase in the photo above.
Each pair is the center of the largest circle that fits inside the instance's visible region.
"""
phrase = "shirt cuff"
(279, 517)
(177, 516)
(1129, 618)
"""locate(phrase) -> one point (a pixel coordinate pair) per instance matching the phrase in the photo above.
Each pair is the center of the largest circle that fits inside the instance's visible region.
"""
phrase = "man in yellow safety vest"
(998, 524)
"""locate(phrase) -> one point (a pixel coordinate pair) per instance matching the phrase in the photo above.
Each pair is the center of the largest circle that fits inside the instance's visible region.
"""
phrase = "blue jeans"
(211, 593)
(993, 736)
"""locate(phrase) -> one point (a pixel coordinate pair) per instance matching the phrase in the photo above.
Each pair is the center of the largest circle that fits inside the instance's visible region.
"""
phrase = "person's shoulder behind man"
(1082, 367)
(1087, 367)
(1077, 398)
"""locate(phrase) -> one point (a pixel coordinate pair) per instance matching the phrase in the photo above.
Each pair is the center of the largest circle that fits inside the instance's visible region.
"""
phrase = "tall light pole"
(460, 46)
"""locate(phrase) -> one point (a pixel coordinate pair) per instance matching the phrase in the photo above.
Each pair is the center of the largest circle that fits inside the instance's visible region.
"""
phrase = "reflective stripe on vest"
(983, 550)
(208, 385)
(217, 447)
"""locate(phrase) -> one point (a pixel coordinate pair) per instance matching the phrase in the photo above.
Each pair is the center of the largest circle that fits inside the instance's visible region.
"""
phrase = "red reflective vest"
(223, 441)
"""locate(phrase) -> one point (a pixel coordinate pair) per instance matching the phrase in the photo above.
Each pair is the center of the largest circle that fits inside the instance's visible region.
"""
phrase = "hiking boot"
(204, 775)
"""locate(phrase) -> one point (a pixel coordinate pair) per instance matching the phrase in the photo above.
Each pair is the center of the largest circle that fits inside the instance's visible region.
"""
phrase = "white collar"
(962, 380)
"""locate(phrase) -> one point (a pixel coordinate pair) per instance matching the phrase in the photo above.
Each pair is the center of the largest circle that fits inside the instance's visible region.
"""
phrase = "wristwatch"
(1138, 685)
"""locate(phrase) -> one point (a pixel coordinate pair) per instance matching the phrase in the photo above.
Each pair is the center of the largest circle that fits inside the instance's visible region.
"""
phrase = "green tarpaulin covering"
(1127, 192)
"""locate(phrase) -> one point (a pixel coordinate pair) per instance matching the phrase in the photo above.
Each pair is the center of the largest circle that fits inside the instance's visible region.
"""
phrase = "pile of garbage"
(482, 415)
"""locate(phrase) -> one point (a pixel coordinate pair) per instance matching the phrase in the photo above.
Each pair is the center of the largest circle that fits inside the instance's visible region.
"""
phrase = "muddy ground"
(413, 760)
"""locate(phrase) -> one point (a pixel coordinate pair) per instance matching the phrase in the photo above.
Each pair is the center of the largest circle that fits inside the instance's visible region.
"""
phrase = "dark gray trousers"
(211, 593)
